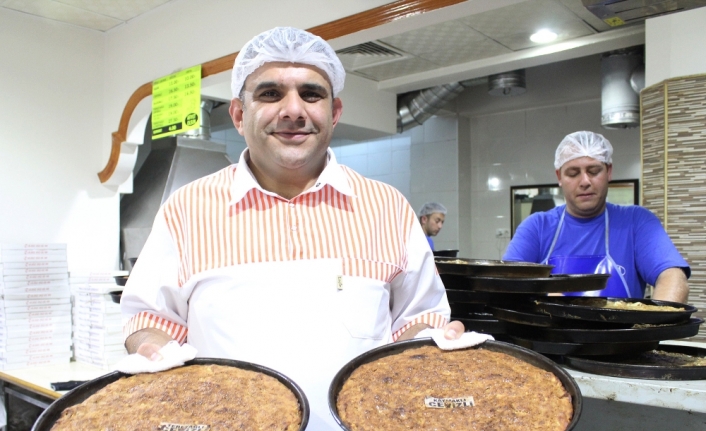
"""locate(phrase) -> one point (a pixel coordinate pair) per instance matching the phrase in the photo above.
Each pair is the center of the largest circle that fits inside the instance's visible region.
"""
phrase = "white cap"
(291, 45)
(431, 208)
(583, 144)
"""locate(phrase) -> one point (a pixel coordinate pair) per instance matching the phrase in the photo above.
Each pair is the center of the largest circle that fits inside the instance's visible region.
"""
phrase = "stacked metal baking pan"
(581, 332)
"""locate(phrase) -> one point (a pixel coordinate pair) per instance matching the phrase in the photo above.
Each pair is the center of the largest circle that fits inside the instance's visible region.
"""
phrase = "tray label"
(181, 427)
(448, 403)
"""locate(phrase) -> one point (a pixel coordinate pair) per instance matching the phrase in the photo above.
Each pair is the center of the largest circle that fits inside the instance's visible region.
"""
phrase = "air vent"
(369, 54)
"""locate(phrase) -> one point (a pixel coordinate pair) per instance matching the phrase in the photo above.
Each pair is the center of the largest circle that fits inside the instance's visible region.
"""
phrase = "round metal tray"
(588, 308)
(558, 348)
(557, 283)
(527, 315)
(491, 268)
(521, 353)
(481, 322)
(616, 366)
(632, 334)
(488, 298)
(76, 396)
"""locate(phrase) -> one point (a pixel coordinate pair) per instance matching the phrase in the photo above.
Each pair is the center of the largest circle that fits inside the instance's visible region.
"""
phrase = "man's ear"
(337, 110)
(236, 114)
(558, 176)
(610, 171)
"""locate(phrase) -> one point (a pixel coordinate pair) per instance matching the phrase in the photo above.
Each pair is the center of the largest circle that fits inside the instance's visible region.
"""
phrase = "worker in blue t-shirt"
(590, 236)
(432, 216)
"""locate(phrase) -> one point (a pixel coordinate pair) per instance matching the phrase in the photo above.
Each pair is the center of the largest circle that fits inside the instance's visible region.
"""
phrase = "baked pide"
(427, 388)
(196, 397)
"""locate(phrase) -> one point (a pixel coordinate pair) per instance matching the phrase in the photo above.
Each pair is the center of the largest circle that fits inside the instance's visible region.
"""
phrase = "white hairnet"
(583, 144)
(431, 208)
(287, 44)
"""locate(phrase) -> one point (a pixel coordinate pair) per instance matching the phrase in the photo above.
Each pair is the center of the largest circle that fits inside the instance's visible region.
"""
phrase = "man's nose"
(292, 107)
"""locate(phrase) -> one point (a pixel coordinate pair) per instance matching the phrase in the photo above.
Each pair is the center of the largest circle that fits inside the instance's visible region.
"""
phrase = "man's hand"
(452, 331)
(147, 343)
(671, 285)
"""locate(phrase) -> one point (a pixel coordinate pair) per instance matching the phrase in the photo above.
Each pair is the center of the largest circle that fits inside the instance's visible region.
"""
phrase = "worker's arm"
(672, 286)
(452, 330)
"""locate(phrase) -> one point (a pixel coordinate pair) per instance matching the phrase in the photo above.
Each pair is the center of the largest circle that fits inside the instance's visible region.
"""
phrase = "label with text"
(448, 403)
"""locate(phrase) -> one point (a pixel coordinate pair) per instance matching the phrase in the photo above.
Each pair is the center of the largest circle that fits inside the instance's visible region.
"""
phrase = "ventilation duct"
(507, 84)
(415, 108)
(622, 78)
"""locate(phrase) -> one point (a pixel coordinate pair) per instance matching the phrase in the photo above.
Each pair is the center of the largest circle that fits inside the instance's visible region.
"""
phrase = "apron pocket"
(364, 307)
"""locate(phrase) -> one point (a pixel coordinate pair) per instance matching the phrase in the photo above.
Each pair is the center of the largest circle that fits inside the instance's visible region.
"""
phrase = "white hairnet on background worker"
(583, 144)
(291, 45)
(431, 208)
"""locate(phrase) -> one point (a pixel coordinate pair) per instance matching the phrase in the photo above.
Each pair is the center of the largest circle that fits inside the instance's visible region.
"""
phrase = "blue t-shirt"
(431, 243)
(638, 242)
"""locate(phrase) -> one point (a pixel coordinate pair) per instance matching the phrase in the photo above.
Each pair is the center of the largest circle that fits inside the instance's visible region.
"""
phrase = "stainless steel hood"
(163, 166)
(621, 12)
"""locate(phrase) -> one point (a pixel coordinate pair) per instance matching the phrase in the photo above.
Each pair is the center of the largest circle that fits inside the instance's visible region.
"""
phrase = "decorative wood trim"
(361, 21)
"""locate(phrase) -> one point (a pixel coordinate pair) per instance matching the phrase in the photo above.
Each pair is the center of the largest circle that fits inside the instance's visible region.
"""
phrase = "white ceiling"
(463, 44)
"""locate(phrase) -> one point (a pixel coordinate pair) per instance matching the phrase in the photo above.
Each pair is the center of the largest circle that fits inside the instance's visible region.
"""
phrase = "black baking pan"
(481, 322)
(76, 396)
(559, 348)
(521, 353)
(489, 298)
(461, 309)
(121, 280)
(526, 315)
(116, 295)
(445, 253)
(632, 334)
(593, 308)
(643, 365)
(490, 268)
(556, 283)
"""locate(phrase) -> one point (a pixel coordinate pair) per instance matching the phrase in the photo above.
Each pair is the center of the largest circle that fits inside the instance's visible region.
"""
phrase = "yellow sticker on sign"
(176, 102)
(614, 21)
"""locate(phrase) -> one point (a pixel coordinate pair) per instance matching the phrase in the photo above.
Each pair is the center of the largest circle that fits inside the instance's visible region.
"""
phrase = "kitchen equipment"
(521, 353)
(490, 298)
(116, 295)
(490, 268)
(587, 308)
(527, 315)
(643, 365)
(564, 348)
(633, 334)
(446, 253)
(555, 283)
(481, 322)
(47, 419)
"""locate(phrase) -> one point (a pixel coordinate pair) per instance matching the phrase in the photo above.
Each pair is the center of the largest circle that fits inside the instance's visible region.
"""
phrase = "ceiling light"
(543, 36)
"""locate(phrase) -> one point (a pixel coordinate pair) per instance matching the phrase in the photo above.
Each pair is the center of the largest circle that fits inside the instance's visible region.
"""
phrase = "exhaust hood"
(164, 165)
(620, 12)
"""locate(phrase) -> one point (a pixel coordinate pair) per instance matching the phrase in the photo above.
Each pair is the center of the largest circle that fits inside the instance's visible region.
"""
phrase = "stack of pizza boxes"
(97, 332)
(35, 305)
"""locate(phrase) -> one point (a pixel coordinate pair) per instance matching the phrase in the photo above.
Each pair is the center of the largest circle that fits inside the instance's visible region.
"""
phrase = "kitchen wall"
(63, 91)
(51, 112)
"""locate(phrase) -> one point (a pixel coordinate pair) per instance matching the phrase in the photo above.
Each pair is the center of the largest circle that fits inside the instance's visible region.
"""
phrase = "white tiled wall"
(517, 148)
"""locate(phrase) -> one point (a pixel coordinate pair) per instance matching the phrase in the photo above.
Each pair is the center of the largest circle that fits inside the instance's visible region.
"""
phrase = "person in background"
(286, 259)
(431, 217)
(588, 235)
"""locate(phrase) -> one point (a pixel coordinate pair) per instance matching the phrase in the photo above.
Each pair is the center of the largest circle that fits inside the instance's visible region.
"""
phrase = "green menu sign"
(176, 102)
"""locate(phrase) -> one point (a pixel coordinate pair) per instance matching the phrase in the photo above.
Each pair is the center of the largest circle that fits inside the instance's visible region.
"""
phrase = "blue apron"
(590, 264)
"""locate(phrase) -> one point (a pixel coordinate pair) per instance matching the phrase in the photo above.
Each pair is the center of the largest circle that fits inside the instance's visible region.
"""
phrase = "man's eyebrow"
(265, 84)
(317, 88)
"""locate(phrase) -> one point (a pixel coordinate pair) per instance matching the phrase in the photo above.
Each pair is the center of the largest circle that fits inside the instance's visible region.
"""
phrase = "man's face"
(433, 223)
(584, 182)
(286, 115)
